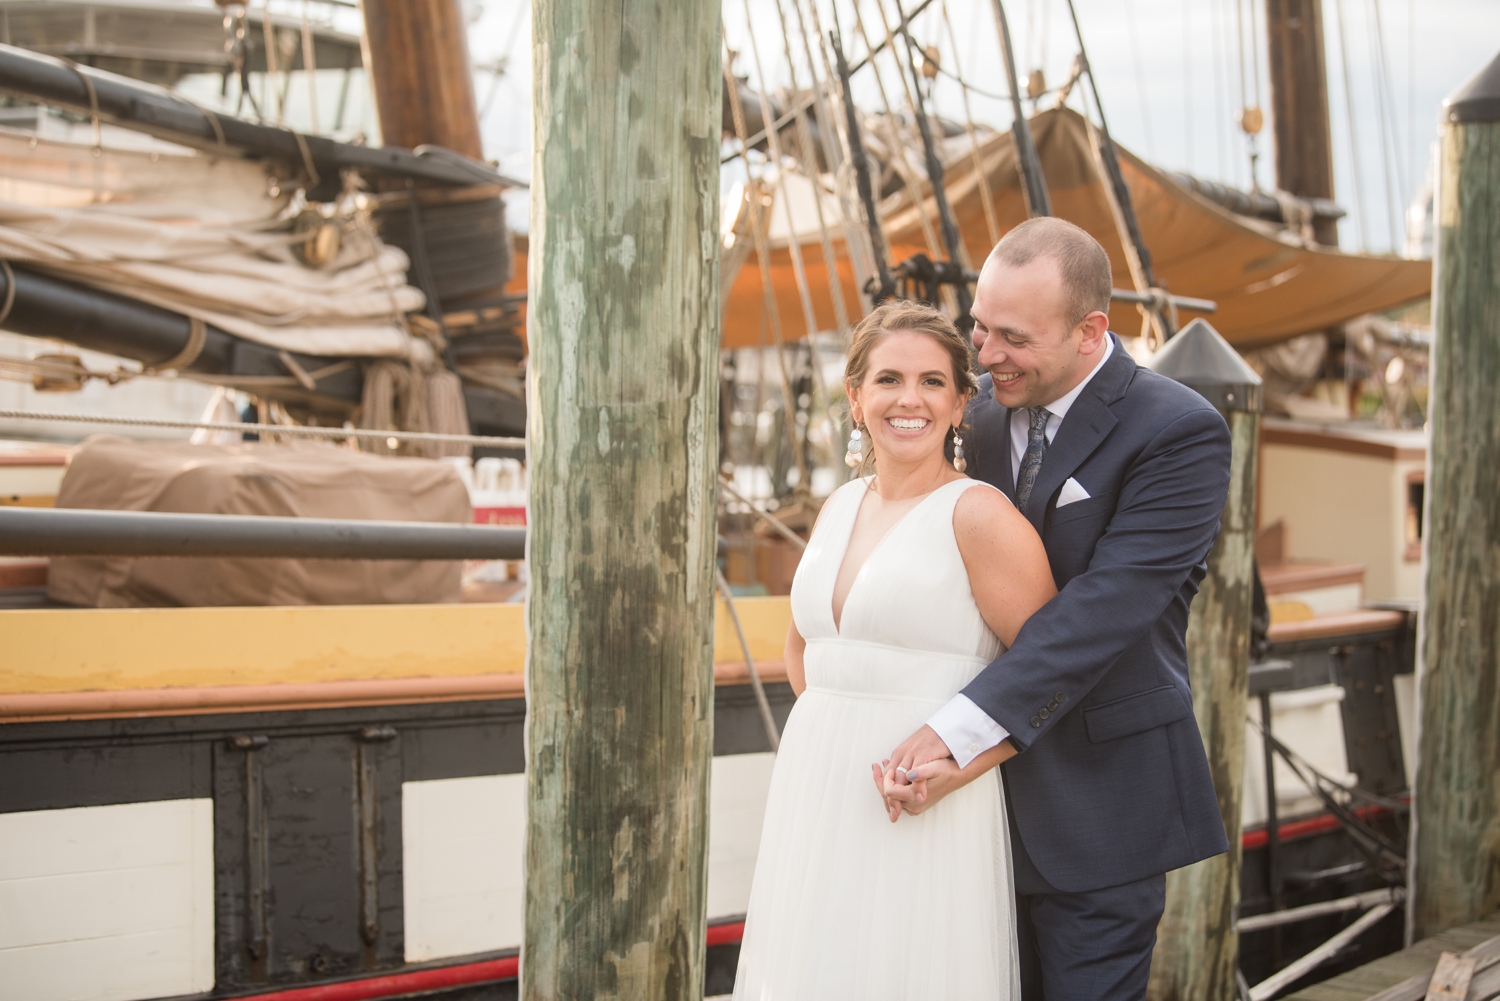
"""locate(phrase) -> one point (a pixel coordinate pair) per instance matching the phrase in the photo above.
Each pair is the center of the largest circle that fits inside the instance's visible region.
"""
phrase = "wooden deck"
(1388, 971)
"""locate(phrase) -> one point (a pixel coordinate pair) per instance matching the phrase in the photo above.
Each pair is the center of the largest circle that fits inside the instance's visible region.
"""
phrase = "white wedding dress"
(845, 904)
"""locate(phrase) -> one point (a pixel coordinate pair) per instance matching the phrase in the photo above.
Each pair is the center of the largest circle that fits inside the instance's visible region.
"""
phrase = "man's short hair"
(1082, 262)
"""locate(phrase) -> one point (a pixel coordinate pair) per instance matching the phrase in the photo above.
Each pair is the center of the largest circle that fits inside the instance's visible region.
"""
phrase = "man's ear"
(1093, 330)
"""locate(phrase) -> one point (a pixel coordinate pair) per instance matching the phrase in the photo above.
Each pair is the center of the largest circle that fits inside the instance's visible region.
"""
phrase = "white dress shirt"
(963, 726)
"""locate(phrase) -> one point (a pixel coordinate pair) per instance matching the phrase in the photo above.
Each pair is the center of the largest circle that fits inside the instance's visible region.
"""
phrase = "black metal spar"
(48, 80)
(75, 532)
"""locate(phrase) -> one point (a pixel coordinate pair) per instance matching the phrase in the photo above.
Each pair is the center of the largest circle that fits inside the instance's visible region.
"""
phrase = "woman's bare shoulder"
(985, 518)
(981, 504)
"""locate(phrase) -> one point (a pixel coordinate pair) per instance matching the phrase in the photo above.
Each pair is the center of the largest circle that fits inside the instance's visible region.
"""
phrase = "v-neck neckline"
(838, 620)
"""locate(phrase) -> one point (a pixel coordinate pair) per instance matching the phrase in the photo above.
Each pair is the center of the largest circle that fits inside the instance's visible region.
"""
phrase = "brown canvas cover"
(302, 480)
(1268, 286)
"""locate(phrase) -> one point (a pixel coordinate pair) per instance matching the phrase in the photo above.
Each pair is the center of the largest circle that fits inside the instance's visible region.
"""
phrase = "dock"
(1405, 975)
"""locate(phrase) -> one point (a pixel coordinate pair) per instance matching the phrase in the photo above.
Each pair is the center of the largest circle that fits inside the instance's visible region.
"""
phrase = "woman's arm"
(1010, 578)
(1007, 564)
(795, 646)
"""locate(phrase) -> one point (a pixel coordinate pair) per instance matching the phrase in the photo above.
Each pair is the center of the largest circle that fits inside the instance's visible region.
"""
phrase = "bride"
(915, 579)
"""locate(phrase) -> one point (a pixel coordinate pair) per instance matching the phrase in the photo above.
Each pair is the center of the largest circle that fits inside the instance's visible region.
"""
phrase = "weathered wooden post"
(1455, 855)
(623, 405)
(1197, 950)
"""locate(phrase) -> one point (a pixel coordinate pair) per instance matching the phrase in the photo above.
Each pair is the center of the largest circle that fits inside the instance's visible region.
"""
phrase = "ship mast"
(1299, 104)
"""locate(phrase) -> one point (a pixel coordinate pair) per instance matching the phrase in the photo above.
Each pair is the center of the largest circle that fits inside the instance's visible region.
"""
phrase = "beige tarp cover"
(1268, 286)
(200, 236)
(311, 481)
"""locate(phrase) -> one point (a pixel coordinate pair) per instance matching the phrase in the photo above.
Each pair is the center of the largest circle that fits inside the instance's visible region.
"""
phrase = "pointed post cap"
(1199, 358)
(1477, 99)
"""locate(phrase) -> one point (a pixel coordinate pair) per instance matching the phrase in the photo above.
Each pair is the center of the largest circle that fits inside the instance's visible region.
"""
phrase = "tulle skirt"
(847, 905)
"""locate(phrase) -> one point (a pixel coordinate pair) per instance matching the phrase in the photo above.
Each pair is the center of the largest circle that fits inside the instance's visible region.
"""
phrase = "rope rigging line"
(893, 138)
(957, 253)
(804, 135)
(1222, 112)
(763, 256)
(1187, 80)
(833, 152)
(296, 430)
(981, 91)
(1161, 315)
(1390, 157)
(985, 198)
(1140, 79)
(762, 703)
(1361, 219)
(860, 164)
(794, 247)
(856, 237)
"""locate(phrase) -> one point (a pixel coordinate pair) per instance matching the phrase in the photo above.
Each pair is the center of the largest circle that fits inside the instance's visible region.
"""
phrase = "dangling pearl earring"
(958, 452)
(855, 456)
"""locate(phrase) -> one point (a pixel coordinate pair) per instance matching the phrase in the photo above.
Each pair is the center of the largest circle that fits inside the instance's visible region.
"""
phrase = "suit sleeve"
(1165, 522)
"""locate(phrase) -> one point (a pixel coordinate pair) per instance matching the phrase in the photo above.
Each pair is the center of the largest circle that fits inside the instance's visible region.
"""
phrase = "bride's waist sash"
(857, 669)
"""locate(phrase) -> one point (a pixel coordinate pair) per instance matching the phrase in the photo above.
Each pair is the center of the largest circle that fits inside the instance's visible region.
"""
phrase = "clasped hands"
(921, 771)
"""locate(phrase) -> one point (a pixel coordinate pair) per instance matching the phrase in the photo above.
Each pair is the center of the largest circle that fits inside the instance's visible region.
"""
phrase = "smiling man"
(1124, 474)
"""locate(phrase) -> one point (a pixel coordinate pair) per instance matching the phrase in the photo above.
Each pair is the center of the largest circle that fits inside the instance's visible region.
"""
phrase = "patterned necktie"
(1031, 462)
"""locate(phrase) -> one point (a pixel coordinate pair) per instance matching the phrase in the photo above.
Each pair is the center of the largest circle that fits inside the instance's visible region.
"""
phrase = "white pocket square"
(1072, 492)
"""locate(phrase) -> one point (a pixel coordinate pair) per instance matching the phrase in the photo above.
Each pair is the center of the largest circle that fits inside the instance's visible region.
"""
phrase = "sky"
(1170, 75)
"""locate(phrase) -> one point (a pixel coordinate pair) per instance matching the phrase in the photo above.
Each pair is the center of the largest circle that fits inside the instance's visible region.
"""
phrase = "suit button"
(973, 748)
(1059, 697)
(1045, 713)
(1036, 721)
(1052, 704)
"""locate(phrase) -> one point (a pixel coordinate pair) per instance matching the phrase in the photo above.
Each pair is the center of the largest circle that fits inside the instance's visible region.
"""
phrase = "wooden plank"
(1450, 981)
(61, 650)
(1404, 975)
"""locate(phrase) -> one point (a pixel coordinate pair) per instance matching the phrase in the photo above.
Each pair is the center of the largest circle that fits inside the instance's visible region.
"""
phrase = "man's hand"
(918, 749)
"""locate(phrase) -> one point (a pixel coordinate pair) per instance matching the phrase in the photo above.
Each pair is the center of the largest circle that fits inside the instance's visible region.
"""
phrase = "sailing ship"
(327, 800)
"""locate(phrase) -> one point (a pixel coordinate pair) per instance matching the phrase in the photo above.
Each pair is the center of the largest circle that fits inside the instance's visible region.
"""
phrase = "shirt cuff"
(966, 729)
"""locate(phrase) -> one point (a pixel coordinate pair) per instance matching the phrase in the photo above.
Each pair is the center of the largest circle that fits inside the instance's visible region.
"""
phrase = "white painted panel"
(463, 845)
(107, 903)
(737, 813)
(1311, 723)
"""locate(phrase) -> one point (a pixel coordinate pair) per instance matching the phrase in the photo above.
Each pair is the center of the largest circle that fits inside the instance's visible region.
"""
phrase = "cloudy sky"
(1172, 75)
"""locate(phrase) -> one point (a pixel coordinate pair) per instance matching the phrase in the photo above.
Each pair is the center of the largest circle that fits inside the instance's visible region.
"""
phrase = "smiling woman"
(951, 360)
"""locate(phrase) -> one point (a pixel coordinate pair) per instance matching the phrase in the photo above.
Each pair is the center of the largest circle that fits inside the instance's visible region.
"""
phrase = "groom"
(1124, 474)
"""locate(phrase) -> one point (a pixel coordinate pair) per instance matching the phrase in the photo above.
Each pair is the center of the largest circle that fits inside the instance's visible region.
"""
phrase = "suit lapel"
(1089, 422)
(1007, 477)
(989, 424)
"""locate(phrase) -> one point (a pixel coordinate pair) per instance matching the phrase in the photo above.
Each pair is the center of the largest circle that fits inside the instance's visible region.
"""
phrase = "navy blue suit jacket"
(1112, 784)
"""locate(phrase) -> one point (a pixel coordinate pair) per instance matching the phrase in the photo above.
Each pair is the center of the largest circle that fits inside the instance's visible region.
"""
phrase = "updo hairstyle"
(922, 318)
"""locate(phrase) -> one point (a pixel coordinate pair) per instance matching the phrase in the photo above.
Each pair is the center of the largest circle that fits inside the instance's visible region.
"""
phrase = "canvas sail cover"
(1269, 285)
(203, 236)
(302, 480)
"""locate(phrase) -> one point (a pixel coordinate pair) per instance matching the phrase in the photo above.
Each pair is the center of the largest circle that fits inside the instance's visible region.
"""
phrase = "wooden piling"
(623, 403)
(1455, 853)
(416, 55)
(1197, 948)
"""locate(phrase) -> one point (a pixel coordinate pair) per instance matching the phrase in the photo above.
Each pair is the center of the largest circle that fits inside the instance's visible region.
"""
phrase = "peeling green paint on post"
(1455, 875)
(1197, 949)
(622, 405)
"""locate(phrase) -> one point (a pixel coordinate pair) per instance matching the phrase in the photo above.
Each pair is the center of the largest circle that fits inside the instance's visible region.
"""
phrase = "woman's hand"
(917, 791)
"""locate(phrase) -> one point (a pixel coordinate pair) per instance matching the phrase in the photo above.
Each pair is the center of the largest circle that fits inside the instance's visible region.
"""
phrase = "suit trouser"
(1093, 946)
